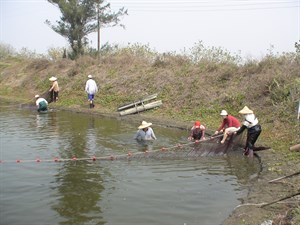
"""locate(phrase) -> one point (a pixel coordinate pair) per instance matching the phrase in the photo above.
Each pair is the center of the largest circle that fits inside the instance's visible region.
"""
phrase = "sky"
(250, 28)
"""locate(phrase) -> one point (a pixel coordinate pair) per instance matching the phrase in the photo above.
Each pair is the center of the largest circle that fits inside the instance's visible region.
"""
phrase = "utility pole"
(98, 24)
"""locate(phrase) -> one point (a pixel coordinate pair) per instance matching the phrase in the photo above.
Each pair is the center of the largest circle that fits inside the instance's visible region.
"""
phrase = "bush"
(6, 51)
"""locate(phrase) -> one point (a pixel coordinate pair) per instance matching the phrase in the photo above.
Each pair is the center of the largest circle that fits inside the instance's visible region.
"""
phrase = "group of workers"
(91, 89)
(230, 125)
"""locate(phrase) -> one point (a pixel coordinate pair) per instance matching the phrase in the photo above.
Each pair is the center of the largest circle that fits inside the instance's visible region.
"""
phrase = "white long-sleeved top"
(250, 120)
(91, 87)
(142, 135)
(37, 102)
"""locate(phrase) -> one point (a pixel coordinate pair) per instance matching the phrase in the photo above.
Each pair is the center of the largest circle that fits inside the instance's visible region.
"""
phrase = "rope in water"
(111, 157)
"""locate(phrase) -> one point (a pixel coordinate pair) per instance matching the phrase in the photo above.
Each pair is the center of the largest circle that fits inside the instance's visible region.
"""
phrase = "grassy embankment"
(192, 86)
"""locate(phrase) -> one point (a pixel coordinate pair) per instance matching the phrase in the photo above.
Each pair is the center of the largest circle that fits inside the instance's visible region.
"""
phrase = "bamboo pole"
(295, 148)
(298, 111)
(147, 98)
(280, 178)
(141, 108)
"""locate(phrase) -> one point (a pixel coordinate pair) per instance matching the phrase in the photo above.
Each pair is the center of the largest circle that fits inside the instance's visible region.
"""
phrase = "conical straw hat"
(246, 110)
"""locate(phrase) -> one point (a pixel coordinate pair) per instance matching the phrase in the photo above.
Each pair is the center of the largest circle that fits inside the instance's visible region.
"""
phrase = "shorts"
(231, 129)
(91, 97)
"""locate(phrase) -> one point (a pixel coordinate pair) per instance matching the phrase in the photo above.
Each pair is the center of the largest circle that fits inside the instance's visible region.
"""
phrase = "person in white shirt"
(91, 89)
(41, 103)
(254, 129)
(145, 132)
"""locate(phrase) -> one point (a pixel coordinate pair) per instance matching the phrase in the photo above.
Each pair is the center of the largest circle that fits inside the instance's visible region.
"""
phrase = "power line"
(205, 10)
(171, 5)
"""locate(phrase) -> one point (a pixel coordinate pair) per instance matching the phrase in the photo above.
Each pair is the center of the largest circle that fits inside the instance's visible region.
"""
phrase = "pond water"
(147, 191)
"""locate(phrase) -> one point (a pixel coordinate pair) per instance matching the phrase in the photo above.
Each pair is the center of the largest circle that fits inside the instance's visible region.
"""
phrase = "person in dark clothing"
(197, 132)
(253, 130)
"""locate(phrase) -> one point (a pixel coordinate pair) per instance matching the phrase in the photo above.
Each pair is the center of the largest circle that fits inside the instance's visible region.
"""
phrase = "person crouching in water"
(91, 89)
(253, 130)
(41, 103)
(197, 132)
(229, 125)
(145, 132)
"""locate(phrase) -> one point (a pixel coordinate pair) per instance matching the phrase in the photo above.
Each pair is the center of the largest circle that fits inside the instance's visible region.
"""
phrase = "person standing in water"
(253, 130)
(145, 132)
(197, 132)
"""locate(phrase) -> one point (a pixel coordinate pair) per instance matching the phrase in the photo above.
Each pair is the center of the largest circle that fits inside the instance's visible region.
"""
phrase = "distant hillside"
(196, 86)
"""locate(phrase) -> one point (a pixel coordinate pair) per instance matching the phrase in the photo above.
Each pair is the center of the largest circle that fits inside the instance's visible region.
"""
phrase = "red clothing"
(229, 121)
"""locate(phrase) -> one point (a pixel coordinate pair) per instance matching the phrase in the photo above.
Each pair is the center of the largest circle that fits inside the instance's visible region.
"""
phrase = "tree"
(82, 17)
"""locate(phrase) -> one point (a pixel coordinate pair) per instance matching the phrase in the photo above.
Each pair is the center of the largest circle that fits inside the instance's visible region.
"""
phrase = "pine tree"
(82, 17)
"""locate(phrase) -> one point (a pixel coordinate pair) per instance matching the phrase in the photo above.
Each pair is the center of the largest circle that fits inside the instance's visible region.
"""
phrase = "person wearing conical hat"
(253, 130)
(54, 89)
(229, 125)
(197, 131)
(41, 103)
(145, 132)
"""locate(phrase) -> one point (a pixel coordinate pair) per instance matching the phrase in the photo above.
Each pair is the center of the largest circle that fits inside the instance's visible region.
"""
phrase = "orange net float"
(56, 159)
(18, 161)
(179, 145)
(38, 160)
(74, 158)
(94, 158)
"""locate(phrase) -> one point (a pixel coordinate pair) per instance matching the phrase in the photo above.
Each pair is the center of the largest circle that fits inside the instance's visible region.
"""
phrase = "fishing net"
(211, 146)
(208, 147)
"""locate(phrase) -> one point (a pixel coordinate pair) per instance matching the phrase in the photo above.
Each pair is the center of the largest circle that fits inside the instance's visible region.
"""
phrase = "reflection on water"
(80, 188)
(146, 190)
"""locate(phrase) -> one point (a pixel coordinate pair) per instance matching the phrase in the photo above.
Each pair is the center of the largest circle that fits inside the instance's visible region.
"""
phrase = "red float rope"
(111, 157)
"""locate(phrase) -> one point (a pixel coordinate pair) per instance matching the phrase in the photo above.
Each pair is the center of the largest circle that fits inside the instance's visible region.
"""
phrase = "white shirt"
(91, 87)
(250, 120)
(142, 135)
(37, 102)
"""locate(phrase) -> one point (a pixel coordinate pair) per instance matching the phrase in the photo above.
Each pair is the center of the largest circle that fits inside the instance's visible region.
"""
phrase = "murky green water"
(144, 191)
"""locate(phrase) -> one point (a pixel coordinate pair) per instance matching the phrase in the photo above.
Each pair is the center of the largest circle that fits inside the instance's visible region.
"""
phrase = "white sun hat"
(36, 96)
(90, 76)
(224, 113)
(144, 125)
